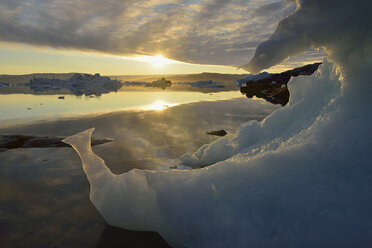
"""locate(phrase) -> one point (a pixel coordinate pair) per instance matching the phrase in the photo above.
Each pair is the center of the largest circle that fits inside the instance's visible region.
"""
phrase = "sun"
(157, 60)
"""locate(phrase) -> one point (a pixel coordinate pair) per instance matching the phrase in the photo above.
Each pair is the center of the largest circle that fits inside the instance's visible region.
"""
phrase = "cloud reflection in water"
(43, 197)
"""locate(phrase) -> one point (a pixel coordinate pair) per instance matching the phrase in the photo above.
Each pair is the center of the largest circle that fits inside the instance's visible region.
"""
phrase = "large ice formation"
(300, 178)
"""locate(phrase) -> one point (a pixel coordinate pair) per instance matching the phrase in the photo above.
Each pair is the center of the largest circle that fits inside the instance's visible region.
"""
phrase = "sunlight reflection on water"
(158, 106)
(15, 108)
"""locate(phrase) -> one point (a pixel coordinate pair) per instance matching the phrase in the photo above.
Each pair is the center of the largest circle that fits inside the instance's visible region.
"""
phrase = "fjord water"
(15, 108)
(44, 192)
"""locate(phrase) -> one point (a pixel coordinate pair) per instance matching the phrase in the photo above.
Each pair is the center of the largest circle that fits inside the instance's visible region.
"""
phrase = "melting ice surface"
(300, 178)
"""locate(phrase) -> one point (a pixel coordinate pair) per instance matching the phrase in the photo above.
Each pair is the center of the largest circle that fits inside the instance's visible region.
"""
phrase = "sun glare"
(157, 60)
(158, 106)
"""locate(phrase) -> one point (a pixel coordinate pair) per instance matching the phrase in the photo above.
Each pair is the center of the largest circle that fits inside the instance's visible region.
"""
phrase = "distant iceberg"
(252, 78)
(134, 83)
(160, 83)
(79, 84)
(4, 85)
(205, 84)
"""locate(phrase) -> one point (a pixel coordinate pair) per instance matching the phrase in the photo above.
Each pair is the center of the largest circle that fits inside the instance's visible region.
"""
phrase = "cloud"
(221, 32)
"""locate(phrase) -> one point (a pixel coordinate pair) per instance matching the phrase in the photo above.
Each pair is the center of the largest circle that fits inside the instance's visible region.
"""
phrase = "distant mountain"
(27, 77)
(205, 76)
(217, 77)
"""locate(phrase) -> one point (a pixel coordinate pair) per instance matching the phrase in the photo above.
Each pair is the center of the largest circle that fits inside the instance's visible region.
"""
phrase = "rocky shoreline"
(273, 87)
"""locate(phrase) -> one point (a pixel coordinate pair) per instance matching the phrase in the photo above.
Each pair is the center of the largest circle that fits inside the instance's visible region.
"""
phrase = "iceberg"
(134, 83)
(4, 84)
(160, 83)
(253, 78)
(78, 84)
(205, 84)
(302, 177)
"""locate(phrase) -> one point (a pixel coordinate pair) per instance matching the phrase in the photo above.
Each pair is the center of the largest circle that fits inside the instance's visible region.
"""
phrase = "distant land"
(176, 78)
(27, 77)
(217, 77)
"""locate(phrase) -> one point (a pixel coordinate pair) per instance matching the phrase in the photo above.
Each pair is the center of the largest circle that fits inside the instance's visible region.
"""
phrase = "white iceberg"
(207, 84)
(79, 84)
(253, 78)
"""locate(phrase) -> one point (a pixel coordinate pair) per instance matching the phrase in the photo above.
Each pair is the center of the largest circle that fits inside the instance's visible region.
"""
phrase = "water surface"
(44, 191)
(16, 108)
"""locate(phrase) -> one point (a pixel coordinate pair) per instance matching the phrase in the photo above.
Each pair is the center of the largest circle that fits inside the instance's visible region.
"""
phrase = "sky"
(116, 37)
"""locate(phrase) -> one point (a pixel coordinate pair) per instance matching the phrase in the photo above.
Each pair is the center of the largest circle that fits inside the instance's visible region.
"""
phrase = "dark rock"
(273, 88)
(28, 141)
(217, 132)
(115, 237)
(161, 83)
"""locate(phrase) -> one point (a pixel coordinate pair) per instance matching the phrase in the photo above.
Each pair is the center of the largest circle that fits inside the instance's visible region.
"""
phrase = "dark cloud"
(211, 8)
(272, 8)
(209, 32)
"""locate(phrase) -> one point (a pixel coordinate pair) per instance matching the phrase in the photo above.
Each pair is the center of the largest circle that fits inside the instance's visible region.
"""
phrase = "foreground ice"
(300, 178)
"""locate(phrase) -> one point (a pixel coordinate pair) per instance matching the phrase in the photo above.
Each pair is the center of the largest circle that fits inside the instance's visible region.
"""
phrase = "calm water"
(44, 191)
(16, 108)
